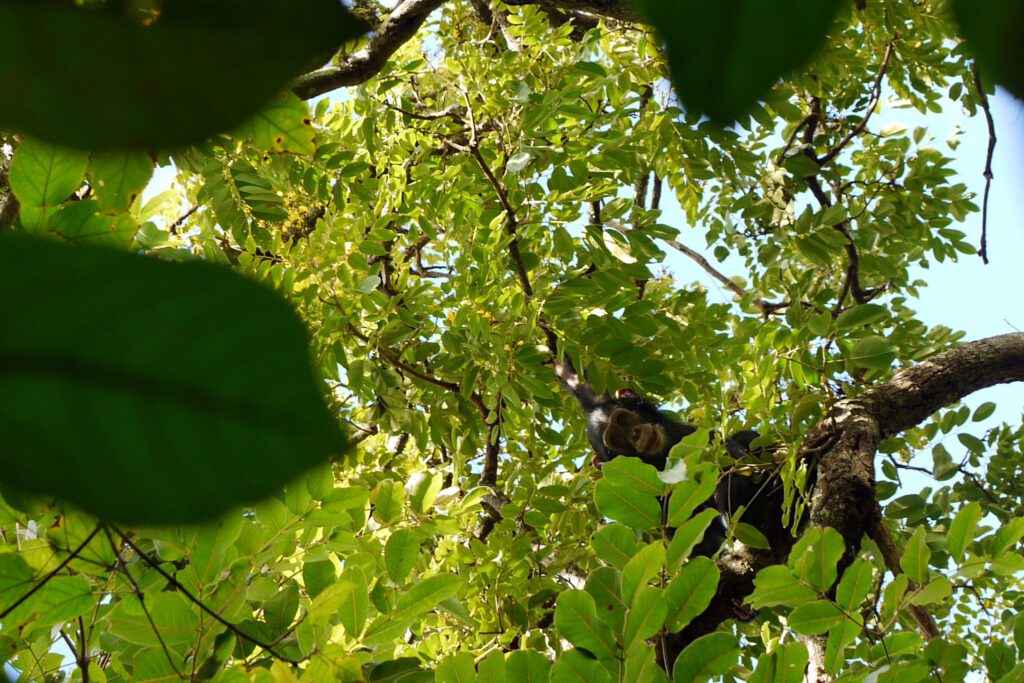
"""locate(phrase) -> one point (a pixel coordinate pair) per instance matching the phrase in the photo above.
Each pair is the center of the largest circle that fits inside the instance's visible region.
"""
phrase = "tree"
(500, 188)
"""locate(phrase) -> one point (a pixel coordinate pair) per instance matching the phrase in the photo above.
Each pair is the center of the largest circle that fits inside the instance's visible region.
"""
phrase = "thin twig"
(141, 597)
(983, 99)
(876, 94)
(766, 307)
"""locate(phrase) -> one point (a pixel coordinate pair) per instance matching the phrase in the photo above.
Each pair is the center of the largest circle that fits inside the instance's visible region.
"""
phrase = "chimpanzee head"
(633, 426)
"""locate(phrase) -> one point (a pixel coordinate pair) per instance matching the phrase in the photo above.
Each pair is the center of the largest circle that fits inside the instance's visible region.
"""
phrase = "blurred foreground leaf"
(724, 56)
(150, 392)
(121, 75)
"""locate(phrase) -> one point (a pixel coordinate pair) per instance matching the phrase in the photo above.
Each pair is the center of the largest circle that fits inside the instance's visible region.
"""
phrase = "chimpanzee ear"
(623, 393)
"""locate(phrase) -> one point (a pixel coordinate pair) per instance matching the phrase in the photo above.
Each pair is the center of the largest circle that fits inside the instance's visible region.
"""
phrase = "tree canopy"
(451, 206)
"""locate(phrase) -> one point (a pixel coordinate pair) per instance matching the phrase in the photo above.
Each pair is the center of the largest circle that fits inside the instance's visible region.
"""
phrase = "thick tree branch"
(621, 10)
(365, 63)
(845, 486)
(913, 394)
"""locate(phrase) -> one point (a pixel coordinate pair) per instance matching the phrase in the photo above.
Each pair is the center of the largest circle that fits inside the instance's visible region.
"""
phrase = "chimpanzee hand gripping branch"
(632, 425)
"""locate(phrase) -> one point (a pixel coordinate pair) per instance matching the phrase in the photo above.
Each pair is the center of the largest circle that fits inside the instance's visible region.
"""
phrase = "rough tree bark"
(844, 445)
(362, 65)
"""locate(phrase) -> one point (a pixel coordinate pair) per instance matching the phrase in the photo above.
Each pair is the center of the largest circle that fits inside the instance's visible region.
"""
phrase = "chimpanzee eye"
(622, 419)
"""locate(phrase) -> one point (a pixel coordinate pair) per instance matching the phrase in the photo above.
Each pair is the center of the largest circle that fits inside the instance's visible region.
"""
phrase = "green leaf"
(690, 592)
(971, 442)
(422, 597)
(614, 544)
(999, 659)
(15, 579)
(527, 666)
(633, 474)
(934, 592)
(776, 585)
(433, 589)
(785, 665)
(60, 599)
(576, 667)
(993, 32)
(43, 176)
(400, 553)
(210, 435)
(712, 655)
(641, 568)
(815, 556)
(1018, 634)
(984, 411)
(332, 600)
(605, 585)
(801, 165)
(751, 536)
(423, 488)
(627, 506)
(687, 496)
(388, 500)
(875, 353)
(642, 667)
(854, 586)
(284, 125)
(915, 557)
(943, 466)
(457, 668)
(834, 215)
(1007, 536)
(863, 315)
(492, 668)
(205, 65)
(280, 609)
(82, 223)
(317, 575)
(962, 530)
(820, 324)
(835, 645)
(724, 57)
(815, 617)
(688, 536)
(645, 617)
(176, 620)
(576, 619)
(118, 178)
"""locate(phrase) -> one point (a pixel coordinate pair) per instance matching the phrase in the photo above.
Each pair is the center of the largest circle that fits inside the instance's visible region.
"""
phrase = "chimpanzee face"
(633, 426)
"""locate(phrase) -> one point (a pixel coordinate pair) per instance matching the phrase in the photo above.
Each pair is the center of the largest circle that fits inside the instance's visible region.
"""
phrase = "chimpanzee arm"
(583, 392)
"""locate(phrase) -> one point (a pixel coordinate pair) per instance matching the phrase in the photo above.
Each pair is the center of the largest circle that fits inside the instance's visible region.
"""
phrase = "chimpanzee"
(632, 425)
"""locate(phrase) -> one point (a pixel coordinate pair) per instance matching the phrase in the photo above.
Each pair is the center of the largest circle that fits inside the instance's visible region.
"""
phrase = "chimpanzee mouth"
(649, 441)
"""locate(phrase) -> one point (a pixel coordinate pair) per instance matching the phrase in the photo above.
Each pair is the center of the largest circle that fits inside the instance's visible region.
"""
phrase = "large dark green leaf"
(150, 392)
(994, 30)
(725, 55)
(115, 75)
